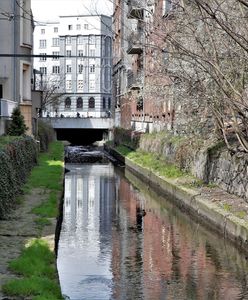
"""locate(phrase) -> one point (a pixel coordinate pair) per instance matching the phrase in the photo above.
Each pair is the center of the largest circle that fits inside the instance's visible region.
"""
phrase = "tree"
(207, 44)
(17, 125)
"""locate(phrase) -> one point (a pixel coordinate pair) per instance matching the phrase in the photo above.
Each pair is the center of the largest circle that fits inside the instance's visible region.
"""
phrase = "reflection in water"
(118, 243)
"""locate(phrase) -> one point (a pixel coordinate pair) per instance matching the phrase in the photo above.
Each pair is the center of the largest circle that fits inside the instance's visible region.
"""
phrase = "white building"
(78, 80)
(16, 27)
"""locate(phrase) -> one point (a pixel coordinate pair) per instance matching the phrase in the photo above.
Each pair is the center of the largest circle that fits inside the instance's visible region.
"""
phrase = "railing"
(135, 42)
(134, 81)
(6, 107)
(136, 9)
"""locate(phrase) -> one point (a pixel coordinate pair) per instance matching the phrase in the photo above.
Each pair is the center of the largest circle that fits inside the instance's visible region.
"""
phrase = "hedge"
(45, 135)
(126, 137)
(17, 158)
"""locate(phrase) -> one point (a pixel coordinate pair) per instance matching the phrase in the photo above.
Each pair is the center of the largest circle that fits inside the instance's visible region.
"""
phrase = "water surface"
(110, 249)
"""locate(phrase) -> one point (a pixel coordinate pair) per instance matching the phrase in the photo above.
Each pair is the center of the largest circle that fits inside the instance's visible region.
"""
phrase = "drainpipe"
(15, 48)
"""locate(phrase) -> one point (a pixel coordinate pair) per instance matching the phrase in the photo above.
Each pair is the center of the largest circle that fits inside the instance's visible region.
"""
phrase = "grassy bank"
(151, 161)
(36, 265)
(47, 176)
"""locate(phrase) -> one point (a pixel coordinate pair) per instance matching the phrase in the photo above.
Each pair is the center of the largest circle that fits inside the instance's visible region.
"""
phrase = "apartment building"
(76, 66)
(143, 93)
(16, 28)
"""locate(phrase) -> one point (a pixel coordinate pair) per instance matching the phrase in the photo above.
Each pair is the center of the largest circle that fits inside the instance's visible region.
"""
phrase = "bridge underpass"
(81, 136)
(81, 131)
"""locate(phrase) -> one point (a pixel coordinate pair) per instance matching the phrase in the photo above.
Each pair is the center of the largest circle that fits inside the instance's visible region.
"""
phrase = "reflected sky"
(122, 244)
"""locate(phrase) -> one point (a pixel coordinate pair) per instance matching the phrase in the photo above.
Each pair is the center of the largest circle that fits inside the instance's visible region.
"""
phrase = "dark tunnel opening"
(81, 136)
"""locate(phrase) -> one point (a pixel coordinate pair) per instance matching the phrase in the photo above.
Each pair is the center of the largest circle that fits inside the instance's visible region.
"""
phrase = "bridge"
(81, 131)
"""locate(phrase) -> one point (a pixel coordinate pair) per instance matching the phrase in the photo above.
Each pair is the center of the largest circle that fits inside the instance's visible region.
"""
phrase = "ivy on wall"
(17, 159)
(126, 137)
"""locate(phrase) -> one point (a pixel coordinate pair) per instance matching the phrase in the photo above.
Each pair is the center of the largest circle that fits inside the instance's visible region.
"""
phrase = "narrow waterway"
(121, 241)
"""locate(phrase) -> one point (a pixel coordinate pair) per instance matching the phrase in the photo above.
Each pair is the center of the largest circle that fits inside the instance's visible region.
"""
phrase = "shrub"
(45, 135)
(17, 125)
(126, 137)
(17, 158)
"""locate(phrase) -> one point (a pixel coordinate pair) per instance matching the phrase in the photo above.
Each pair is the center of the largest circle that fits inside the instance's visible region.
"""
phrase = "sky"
(49, 10)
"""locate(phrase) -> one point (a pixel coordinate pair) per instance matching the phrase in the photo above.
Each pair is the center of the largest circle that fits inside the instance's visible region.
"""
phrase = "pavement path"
(17, 230)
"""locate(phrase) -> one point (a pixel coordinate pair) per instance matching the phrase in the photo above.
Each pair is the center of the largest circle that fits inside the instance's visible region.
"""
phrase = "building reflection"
(106, 247)
(177, 259)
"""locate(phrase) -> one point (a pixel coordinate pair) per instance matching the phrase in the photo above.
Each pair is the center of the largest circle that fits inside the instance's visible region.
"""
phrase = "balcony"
(135, 42)
(134, 81)
(6, 107)
(136, 9)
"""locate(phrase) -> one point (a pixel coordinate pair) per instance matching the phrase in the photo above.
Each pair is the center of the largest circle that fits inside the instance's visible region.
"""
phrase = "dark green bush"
(17, 125)
(17, 159)
(45, 135)
(126, 137)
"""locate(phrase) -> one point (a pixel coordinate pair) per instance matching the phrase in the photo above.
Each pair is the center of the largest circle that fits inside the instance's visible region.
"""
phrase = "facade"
(77, 77)
(16, 28)
(143, 93)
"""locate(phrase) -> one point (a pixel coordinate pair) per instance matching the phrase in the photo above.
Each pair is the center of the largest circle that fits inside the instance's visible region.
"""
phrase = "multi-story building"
(16, 28)
(142, 94)
(76, 63)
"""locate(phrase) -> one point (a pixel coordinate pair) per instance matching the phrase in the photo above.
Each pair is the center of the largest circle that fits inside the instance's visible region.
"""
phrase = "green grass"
(41, 222)
(49, 170)
(123, 150)
(227, 207)
(152, 162)
(240, 214)
(37, 265)
(49, 207)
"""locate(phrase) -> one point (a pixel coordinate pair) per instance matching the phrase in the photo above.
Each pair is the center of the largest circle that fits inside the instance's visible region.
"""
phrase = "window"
(68, 68)
(80, 40)
(1, 91)
(55, 42)
(92, 40)
(92, 52)
(42, 31)
(92, 102)
(68, 52)
(80, 84)
(109, 103)
(55, 29)
(68, 84)
(68, 40)
(55, 55)
(80, 52)
(103, 103)
(165, 55)
(43, 57)
(92, 68)
(92, 85)
(86, 26)
(43, 44)
(55, 70)
(70, 27)
(167, 6)
(43, 70)
(80, 69)
(68, 102)
(78, 26)
(79, 102)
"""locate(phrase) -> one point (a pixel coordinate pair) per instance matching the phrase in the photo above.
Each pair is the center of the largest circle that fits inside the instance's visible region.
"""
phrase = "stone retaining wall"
(212, 163)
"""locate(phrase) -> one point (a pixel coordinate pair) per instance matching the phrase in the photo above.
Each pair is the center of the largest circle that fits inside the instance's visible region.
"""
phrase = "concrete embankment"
(211, 206)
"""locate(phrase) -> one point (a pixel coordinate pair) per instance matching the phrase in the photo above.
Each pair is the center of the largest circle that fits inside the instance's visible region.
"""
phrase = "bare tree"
(207, 42)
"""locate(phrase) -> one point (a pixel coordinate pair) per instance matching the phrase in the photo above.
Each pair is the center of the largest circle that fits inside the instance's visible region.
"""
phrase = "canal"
(121, 241)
